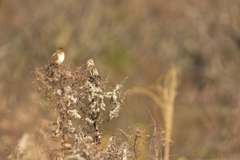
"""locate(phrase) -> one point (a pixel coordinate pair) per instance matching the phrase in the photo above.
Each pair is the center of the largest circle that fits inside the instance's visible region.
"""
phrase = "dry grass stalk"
(165, 100)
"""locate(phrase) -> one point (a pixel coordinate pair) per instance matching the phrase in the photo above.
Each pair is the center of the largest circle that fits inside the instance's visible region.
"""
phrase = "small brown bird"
(57, 58)
(92, 69)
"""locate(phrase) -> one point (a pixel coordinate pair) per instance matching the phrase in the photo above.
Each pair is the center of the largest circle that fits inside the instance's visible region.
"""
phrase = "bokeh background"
(139, 39)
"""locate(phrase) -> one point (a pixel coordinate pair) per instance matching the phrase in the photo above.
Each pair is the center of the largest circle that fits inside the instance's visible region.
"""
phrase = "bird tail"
(46, 69)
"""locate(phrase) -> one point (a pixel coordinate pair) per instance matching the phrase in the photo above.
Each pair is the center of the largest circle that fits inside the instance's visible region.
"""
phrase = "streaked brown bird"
(57, 58)
(92, 69)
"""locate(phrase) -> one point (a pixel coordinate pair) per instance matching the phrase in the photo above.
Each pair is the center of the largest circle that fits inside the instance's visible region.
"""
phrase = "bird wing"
(90, 69)
(54, 58)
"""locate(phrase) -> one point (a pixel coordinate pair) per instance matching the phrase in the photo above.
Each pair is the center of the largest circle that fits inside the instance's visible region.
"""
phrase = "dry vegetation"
(138, 39)
(73, 95)
(165, 98)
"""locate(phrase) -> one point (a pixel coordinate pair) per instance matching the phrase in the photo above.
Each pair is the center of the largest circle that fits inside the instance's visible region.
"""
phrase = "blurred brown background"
(139, 39)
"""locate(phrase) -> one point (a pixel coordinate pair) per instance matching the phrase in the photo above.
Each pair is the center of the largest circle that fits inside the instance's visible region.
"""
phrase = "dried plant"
(75, 95)
(165, 100)
(83, 105)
